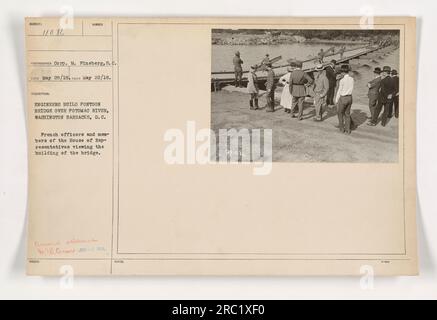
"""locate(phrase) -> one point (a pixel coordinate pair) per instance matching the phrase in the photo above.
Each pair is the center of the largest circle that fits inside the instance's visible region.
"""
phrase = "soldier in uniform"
(341, 51)
(252, 88)
(331, 75)
(266, 59)
(238, 69)
(270, 88)
(321, 56)
(298, 82)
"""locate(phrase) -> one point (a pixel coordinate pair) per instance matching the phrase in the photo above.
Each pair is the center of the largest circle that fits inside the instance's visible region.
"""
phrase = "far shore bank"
(247, 39)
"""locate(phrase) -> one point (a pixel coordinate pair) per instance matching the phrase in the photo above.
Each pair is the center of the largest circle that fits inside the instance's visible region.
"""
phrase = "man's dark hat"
(394, 72)
(386, 69)
(296, 64)
(345, 68)
(292, 62)
(377, 70)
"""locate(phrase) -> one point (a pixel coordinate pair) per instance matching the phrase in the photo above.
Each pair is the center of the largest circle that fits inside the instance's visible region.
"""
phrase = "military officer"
(238, 69)
(298, 82)
(270, 88)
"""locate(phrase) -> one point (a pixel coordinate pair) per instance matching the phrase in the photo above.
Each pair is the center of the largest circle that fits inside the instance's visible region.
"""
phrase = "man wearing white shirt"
(343, 100)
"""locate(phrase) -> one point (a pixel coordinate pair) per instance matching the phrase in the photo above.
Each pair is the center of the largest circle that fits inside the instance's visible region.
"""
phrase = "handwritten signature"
(68, 247)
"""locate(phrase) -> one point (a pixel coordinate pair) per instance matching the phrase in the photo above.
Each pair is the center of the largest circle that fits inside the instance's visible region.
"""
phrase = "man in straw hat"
(384, 99)
(298, 82)
(238, 69)
(321, 87)
(374, 86)
(252, 88)
(344, 99)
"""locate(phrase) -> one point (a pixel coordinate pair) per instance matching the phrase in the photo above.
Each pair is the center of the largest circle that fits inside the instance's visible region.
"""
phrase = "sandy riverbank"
(308, 141)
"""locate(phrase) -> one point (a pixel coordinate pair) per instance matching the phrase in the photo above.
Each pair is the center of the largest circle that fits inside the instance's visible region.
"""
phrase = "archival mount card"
(210, 146)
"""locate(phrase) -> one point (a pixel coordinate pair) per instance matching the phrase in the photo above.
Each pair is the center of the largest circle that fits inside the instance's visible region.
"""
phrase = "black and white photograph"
(326, 95)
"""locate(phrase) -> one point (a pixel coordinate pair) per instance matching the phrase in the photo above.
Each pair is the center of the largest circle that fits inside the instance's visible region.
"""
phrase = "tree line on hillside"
(318, 34)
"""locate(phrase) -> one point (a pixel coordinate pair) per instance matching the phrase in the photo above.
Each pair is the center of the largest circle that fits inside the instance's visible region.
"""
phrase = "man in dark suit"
(374, 88)
(331, 75)
(298, 82)
(270, 88)
(384, 99)
(395, 79)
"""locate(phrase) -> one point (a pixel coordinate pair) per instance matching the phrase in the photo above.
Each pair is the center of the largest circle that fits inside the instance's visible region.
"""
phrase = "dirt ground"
(307, 140)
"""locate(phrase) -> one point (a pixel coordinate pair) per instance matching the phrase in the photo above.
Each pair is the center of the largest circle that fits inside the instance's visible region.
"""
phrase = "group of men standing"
(383, 95)
(298, 84)
(330, 87)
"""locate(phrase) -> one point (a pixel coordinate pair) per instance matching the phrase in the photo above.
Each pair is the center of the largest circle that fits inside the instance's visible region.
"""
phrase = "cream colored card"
(145, 157)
